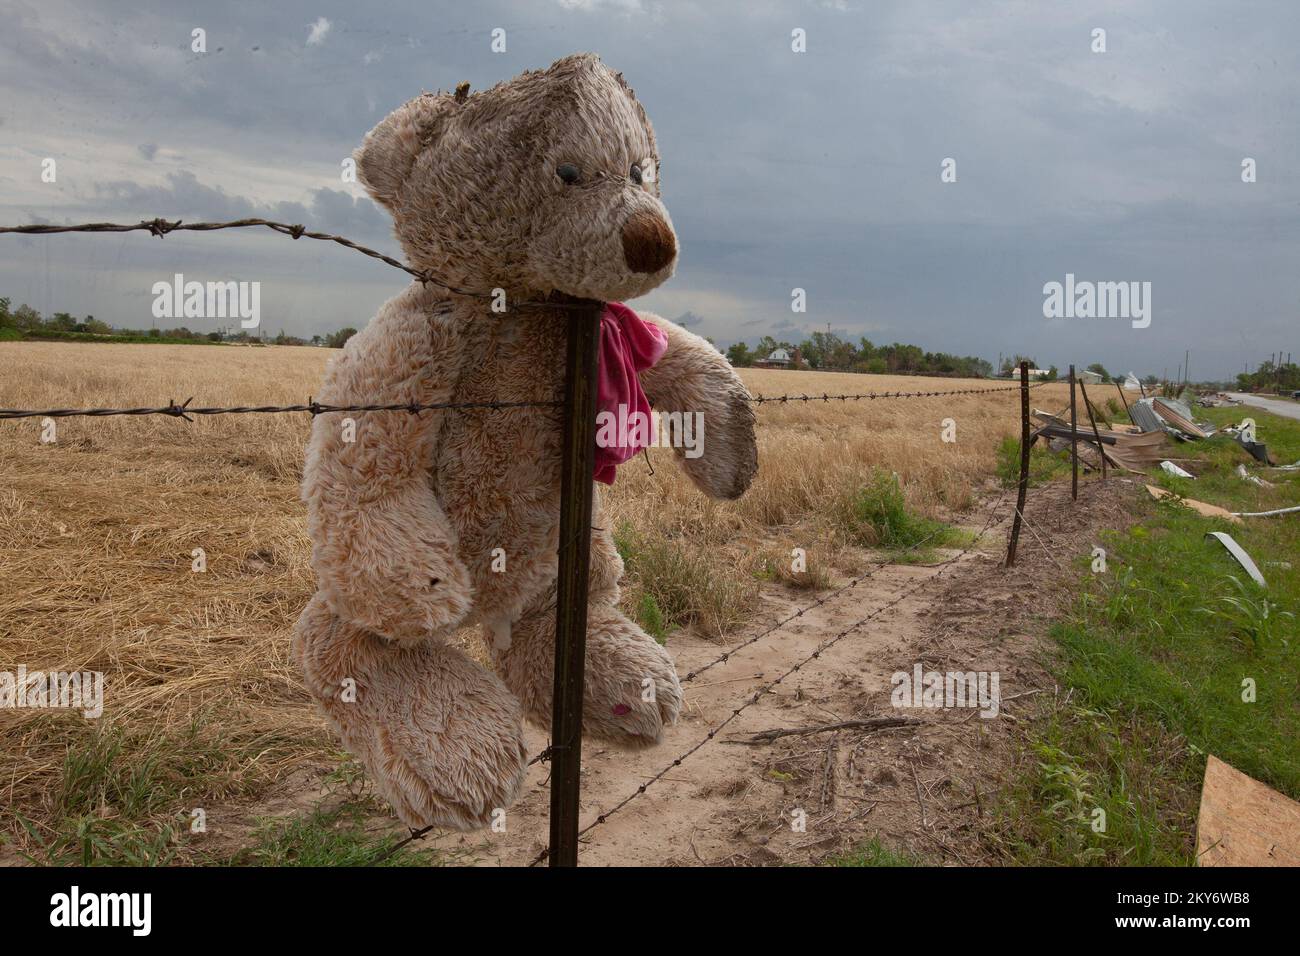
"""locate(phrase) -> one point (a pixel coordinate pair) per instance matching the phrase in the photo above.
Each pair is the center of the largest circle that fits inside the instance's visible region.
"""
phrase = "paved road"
(1275, 405)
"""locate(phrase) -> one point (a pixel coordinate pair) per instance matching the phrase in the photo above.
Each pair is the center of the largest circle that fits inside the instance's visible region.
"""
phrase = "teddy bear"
(541, 190)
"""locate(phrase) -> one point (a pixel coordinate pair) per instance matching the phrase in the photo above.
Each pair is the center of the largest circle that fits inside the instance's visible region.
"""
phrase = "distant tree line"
(26, 322)
(827, 352)
(1272, 375)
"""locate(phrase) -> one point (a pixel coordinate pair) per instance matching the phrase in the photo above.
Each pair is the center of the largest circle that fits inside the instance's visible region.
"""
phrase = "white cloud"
(319, 29)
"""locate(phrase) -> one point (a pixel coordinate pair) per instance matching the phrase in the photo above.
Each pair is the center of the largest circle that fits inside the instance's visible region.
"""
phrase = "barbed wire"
(766, 688)
(868, 396)
(160, 227)
(726, 656)
(184, 410)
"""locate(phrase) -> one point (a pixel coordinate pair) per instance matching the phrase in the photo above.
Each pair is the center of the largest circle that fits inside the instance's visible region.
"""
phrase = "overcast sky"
(819, 170)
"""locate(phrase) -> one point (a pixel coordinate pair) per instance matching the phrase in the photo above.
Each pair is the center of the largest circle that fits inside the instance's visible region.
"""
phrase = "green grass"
(333, 837)
(1159, 650)
(876, 515)
(1044, 464)
(52, 335)
(670, 584)
(124, 799)
(875, 853)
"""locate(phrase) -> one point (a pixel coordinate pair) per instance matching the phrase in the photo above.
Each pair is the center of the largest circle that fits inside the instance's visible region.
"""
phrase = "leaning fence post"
(1024, 464)
(577, 464)
(1074, 442)
(1083, 390)
(1127, 411)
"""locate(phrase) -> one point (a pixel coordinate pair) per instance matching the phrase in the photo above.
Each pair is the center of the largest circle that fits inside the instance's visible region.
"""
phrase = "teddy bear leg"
(631, 690)
(441, 737)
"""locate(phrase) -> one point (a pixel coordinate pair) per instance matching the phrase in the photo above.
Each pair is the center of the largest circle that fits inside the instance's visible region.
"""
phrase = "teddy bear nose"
(648, 243)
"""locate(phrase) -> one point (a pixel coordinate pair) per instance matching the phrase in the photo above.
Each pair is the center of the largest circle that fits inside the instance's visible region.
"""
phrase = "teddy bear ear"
(388, 153)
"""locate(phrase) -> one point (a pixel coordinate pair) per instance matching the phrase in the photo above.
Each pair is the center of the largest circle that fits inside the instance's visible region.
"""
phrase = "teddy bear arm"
(693, 377)
(384, 552)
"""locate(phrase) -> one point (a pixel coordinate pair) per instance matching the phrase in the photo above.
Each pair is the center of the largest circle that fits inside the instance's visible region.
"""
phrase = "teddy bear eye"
(568, 173)
(635, 174)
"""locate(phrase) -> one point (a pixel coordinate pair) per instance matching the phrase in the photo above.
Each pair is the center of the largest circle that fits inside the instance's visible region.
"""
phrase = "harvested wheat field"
(99, 531)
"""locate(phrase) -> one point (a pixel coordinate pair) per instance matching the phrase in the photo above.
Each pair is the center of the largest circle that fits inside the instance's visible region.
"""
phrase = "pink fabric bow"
(628, 345)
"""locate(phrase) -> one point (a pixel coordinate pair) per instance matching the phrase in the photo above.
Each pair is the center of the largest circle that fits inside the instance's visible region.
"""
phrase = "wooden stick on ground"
(869, 723)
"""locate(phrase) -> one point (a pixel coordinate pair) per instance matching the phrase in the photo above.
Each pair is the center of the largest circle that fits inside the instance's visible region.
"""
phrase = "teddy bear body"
(424, 522)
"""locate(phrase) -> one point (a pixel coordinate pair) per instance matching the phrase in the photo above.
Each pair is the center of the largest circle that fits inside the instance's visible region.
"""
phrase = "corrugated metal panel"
(1144, 416)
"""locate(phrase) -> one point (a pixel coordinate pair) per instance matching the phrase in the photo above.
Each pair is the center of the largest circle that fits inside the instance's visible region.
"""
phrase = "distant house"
(778, 359)
(1088, 377)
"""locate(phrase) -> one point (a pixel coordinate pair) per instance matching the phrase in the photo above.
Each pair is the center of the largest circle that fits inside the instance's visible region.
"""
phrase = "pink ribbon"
(628, 345)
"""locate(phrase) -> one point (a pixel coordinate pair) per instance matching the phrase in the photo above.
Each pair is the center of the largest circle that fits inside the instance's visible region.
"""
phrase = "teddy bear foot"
(440, 736)
(631, 692)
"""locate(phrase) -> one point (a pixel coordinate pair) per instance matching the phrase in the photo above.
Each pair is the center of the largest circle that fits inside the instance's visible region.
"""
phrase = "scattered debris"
(1242, 822)
(1238, 552)
(1173, 469)
(1253, 479)
(1144, 416)
(1200, 507)
(1133, 451)
(1178, 417)
(1266, 514)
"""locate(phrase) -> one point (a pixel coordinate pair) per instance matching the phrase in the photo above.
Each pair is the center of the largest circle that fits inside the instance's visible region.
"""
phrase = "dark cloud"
(781, 170)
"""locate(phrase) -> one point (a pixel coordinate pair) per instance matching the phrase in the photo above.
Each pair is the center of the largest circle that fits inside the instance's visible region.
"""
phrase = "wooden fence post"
(1074, 443)
(578, 463)
(1023, 486)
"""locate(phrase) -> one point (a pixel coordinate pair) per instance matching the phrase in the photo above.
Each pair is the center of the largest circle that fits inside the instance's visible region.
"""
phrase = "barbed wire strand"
(784, 399)
(160, 227)
(184, 409)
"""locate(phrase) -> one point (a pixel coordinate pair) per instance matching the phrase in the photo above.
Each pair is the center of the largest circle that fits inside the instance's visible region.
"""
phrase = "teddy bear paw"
(632, 690)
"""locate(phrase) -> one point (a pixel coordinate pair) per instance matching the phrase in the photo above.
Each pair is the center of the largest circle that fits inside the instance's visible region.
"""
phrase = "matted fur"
(405, 520)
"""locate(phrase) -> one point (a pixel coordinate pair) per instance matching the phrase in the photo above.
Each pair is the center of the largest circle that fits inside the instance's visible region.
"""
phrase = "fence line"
(579, 406)
(783, 399)
(184, 410)
(766, 688)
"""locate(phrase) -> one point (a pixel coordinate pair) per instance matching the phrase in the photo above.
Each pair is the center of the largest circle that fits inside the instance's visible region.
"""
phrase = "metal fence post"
(1092, 420)
(1074, 442)
(1023, 486)
(577, 463)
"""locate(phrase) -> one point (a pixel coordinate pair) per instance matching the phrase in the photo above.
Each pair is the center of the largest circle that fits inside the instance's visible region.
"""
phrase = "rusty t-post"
(577, 464)
(1074, 442)
(1023, 486)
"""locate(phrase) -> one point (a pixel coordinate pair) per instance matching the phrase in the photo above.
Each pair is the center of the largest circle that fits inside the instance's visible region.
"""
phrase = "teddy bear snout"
(648, 243)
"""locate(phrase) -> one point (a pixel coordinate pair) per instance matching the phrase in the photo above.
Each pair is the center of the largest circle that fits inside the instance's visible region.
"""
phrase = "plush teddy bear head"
(546, 183)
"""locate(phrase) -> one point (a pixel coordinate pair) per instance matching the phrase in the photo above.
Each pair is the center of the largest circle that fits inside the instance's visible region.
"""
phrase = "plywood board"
(1243, 822)
(1210, 511)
